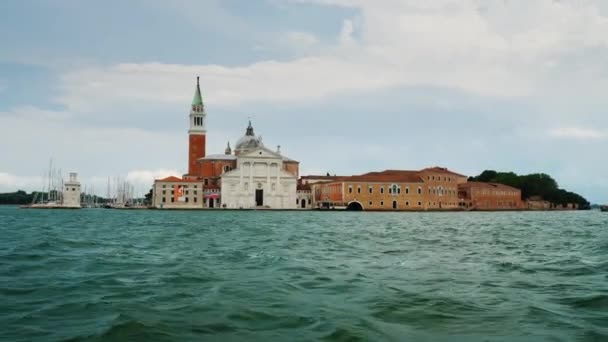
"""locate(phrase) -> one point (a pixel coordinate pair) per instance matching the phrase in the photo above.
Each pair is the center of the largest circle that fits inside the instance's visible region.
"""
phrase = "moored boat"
(604, 208)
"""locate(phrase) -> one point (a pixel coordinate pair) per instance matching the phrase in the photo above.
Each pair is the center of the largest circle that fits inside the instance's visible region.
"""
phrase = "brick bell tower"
(197, 132)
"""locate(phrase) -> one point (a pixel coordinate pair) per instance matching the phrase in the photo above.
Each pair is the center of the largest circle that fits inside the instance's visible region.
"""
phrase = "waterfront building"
(177, 193)
(71, 192)
(489, 196)
(260, 179)
(303, 196)
(428, 189)
(251, 176)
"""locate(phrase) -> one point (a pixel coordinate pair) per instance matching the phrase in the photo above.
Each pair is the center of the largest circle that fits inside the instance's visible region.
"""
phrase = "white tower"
(71, 193)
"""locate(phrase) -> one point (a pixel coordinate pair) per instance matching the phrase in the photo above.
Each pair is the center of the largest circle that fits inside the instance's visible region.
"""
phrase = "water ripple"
(102, 275)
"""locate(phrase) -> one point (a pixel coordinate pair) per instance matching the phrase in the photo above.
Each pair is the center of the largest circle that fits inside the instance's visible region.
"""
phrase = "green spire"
(198, 99)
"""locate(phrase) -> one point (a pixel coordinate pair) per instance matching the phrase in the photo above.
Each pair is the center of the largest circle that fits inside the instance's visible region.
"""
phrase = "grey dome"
(249, 141)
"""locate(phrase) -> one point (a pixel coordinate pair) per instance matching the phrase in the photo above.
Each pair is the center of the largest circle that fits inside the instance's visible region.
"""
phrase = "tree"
(536, 184)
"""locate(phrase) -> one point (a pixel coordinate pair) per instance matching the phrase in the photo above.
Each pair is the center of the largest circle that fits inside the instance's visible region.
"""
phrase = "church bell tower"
(197, 132)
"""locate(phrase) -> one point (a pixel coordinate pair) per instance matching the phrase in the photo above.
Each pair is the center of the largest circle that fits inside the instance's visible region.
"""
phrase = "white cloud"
(577, 133)
(147, 177)
(492, 48)
(140, 181)
(301, 39)
(10, 182)
(32, 112)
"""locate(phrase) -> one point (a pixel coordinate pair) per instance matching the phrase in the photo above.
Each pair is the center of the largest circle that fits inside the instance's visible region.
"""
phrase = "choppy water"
(105, 275)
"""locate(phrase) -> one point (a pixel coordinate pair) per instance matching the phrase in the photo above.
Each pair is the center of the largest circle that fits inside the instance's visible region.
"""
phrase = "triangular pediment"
(261, 152)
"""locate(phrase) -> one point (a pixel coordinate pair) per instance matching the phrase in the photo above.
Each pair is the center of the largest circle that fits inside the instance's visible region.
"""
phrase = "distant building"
(393, 190)
(177, 193)
(489, 196)
(71, 192)
(251, 177)
(304, 196)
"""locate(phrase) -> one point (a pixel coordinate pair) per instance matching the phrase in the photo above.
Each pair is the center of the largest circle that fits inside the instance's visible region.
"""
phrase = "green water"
(107, 275)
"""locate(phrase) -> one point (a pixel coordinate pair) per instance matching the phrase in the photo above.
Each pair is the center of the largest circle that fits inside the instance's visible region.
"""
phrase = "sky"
(344, 86)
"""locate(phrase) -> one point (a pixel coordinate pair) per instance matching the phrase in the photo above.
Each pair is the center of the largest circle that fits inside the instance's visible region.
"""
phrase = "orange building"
(489, 196)
(429, 189)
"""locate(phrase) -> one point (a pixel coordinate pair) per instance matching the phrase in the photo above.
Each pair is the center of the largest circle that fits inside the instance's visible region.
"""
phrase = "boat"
(604, 208)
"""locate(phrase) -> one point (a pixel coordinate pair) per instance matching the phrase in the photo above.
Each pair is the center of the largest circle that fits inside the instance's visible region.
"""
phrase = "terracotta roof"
(487, 186)
(319, 177)
(404, 177)
(176, 179)
(303, 186)
(441, 170)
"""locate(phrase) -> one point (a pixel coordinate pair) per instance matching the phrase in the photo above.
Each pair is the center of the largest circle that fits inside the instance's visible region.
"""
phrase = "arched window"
(394, 188)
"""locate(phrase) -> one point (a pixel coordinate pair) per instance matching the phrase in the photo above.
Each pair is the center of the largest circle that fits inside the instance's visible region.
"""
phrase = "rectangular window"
(164, 200)
(172, 199)
(187, 192)
(164, 191)
(359, 190)
(371, 203)
(407, 190)
(381, 189)
(407, 204)
(350, 189)
(206, 181)
(371, 189)
(420, 204)
(390, 190)
(419, 191)
(186, 199)
(195, 199)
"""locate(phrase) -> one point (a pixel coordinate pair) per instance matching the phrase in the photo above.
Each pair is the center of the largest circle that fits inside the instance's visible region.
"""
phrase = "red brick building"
(489, 196)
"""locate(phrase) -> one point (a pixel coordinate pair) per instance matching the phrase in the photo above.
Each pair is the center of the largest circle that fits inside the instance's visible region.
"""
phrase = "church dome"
(248, 142)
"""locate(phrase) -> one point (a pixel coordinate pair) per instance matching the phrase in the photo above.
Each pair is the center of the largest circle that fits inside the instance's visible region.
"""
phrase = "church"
(251, 176)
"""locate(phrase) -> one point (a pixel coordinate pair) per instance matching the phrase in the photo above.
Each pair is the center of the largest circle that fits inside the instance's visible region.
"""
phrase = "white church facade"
(251, 177)
(259, 181)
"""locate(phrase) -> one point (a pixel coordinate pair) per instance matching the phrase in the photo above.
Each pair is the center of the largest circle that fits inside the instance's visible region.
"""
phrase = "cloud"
(301, 39)
(139, 180)
(494, 48)
(39, 114)
(147, 177)
(577, 133)
(11, 182)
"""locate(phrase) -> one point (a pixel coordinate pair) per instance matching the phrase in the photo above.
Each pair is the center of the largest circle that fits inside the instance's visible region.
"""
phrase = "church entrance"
(259, 197)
